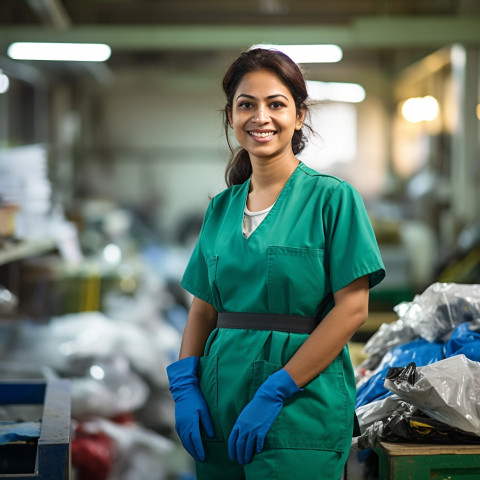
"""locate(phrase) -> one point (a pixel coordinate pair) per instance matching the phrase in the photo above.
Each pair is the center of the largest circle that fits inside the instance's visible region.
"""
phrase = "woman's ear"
(300, 118)
(229, 116)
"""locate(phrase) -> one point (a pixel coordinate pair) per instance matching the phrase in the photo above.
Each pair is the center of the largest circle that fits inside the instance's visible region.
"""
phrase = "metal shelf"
(25, 249)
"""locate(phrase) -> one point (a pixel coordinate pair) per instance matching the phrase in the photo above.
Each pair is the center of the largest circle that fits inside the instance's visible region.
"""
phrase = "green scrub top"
(315, 240)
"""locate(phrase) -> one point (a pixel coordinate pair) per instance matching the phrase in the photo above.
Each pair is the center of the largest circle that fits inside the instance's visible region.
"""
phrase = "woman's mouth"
(261, 135)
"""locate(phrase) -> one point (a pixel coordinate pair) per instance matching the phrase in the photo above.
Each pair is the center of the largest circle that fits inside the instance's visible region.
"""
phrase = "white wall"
(157, 145)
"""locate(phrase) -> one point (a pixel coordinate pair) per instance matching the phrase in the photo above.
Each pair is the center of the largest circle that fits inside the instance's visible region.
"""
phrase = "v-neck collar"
(272, 211)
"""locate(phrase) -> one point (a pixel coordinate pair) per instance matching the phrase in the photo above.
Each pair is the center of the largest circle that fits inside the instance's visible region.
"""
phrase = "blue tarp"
(17, 431)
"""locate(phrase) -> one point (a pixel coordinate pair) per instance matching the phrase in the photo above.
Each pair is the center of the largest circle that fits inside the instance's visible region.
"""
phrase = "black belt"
(267, 321)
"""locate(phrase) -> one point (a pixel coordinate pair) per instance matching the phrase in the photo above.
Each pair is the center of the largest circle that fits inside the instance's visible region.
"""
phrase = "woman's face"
(264, 116)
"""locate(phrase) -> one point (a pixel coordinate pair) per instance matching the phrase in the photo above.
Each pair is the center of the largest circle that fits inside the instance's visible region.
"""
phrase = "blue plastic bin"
(47, 458)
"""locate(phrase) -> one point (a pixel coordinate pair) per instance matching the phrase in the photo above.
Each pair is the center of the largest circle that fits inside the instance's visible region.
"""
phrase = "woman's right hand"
(191, 410)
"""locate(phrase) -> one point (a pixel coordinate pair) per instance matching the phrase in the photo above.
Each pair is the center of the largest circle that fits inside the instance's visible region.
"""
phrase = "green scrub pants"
(312, 435)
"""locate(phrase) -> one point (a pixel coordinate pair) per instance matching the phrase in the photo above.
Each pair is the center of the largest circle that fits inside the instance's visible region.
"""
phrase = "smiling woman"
(279, 71)
(264, 116)
(280, 274)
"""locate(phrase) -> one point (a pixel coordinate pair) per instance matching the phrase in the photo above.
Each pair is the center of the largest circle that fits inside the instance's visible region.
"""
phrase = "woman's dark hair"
(239, 167)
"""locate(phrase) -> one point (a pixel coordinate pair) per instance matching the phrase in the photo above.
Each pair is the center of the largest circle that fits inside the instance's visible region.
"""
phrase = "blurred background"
(106, 167)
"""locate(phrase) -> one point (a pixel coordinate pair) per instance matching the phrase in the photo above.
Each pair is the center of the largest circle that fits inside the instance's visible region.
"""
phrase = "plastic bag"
(411, 425)
(138, 453)
(388, 336)
(93, 454)
(106, 387)
(379, 410)
(442, 307)
(93, 334)
(431, 315)
(446, 391)
(419, 351)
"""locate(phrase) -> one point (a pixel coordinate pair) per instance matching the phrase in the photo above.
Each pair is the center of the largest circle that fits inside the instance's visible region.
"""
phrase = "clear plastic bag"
(431, 315)
(388, 336)
(107, 387)
(446, 391)
(441, 307)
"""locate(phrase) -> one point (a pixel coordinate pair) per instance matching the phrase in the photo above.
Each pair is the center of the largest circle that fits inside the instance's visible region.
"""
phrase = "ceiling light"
(70, 52)
(4, 82)
(308, 53)
(420, 109)
(335, 92)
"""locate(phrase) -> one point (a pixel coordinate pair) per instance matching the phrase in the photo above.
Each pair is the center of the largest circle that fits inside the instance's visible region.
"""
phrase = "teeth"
(261, 135)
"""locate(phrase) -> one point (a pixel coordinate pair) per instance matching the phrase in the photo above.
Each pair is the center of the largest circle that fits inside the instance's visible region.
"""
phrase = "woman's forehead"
(264, 83)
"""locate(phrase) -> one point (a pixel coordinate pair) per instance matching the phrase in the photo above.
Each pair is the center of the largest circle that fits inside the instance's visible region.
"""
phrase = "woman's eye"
(276, 105)
(245, 105)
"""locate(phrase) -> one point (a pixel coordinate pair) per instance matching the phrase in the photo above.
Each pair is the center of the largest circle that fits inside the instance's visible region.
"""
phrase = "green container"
(403, 461)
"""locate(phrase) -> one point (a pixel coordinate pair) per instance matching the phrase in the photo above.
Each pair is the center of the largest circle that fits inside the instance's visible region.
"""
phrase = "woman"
(264, 387)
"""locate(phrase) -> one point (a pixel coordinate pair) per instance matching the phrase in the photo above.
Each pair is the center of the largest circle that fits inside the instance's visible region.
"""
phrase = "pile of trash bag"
(422, 378)
(115, 361)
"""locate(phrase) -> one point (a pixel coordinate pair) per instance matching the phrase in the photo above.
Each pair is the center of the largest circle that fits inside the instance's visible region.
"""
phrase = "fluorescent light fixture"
(4, 83)
(335, 92)
(420, 109)
(308, 53)
(69, 52)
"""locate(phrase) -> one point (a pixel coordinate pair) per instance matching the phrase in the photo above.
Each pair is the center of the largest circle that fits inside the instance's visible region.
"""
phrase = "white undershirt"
(251, 220)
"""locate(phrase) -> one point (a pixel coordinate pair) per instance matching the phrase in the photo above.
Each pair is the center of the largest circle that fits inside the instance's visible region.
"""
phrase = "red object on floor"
(92, 454)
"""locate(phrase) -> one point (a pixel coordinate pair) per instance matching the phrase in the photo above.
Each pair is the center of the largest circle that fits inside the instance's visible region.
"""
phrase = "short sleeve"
(351, 246)
(195, 277)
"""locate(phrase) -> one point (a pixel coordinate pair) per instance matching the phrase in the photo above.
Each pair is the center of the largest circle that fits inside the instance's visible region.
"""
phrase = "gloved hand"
(254, 422)
(190, 407)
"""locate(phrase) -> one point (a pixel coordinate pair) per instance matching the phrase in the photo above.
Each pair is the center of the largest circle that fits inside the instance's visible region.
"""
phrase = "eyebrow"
(269, 97)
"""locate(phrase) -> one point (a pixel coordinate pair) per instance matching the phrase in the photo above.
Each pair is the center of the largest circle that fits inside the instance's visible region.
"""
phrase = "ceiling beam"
(363, 32)
(51, 12)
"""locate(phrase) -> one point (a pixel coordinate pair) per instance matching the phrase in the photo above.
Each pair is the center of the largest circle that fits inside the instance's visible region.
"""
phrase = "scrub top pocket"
(296, 279)
(208, 376)
(313, 419)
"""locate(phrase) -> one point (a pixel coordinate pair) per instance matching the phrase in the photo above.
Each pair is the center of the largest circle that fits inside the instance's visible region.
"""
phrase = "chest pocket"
(296, 279)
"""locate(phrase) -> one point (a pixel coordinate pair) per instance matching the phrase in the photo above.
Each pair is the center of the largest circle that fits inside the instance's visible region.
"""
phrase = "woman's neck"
(268, 179)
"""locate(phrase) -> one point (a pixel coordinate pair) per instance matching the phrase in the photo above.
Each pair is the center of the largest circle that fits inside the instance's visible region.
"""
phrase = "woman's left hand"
(254, 422)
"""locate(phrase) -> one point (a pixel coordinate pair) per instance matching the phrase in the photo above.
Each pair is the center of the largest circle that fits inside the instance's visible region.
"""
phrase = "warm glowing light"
(308, 53)
(478, 111)
(4, 82)
(69, 52)
(335, 92)
(420, 109)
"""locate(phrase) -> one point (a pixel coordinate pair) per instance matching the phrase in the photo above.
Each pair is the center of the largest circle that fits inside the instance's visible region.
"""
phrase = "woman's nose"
(261, 116)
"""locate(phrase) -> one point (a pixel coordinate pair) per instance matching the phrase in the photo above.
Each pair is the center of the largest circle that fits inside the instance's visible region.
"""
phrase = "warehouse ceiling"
(386, 34)
(219, 12)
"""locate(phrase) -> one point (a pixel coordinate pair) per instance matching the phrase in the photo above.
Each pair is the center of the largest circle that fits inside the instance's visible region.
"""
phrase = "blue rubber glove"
(190, 407)
(254, 422)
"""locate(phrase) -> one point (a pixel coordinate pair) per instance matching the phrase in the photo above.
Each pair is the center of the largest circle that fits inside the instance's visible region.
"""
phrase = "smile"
(261, 134)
